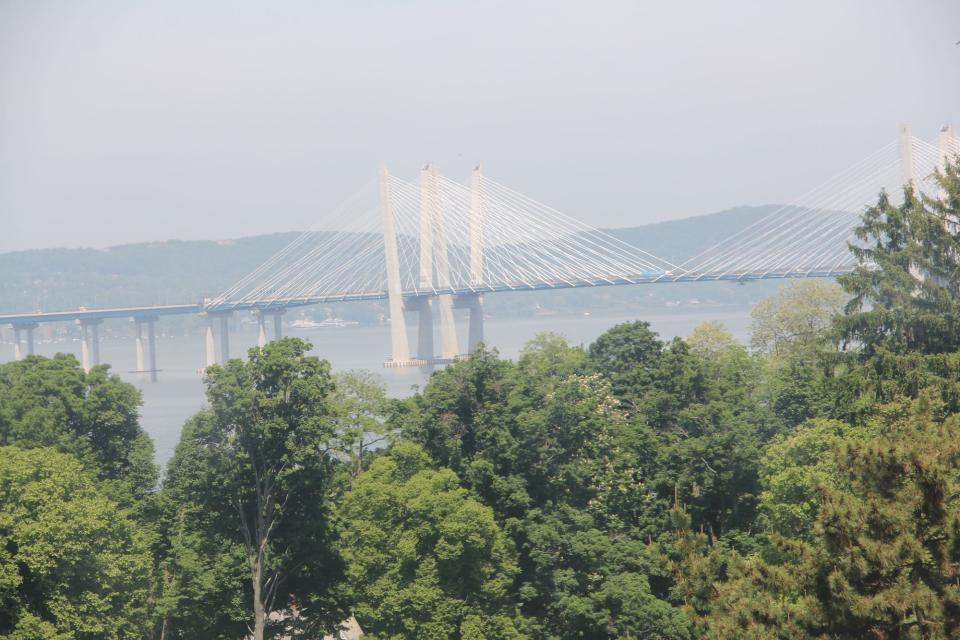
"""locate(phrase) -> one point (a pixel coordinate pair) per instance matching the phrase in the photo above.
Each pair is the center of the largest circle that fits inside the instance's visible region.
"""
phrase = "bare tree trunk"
(255, 541)
(259, 611)
(169, 576)
(257, 536)
(359, 468)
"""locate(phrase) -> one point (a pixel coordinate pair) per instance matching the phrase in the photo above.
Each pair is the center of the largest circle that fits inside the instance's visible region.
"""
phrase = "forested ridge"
(806, 486)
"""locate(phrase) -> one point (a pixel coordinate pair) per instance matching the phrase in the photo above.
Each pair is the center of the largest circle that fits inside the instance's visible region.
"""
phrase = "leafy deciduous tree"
(52, 402)
(425, 559)
(360, 403)
(72, 564)
(255, 474)
(795, 323)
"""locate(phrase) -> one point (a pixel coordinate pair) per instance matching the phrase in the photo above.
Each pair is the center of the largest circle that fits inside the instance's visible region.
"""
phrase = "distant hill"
(678, 240)
(173, 271)
(183, 271)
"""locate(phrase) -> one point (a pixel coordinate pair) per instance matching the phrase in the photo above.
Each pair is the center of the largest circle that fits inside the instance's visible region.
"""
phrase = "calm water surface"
(180, 392)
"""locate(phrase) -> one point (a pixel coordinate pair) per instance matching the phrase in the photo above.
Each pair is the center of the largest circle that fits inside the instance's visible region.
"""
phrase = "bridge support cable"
(455, 241)
(476, 226)
(326, 230)
(722, 256)
(450, 239)
(412, 242)
(811, 235)
(529, 245)
(782, 234)
(579, 249)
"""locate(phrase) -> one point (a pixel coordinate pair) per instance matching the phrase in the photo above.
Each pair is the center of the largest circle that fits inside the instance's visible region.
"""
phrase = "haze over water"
(180, 392)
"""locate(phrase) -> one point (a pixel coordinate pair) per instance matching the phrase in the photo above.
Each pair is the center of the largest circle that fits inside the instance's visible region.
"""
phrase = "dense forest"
(805, 487)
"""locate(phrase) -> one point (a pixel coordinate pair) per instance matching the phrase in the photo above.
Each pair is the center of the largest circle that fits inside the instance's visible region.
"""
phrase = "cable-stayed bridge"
(434, 244)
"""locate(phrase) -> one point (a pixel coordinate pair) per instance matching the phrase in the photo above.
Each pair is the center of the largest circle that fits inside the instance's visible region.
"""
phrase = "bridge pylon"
(907, 165)
(432, 207)
(400, 348)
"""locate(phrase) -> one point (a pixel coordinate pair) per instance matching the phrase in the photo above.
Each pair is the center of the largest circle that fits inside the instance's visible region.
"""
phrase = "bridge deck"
(73, 315)
(265, 305)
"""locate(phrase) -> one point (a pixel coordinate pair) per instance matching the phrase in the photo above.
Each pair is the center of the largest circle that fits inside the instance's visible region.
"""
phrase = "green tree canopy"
(902, 324)
(72, 565)
(708, 412)
(710, 339)
(204, 588)
(425, 559)
(881, 557)
(795, 469)
(253, 475)
(795, 324)
(360, 406)
(52, 402)
(578, 468)
(891, 533)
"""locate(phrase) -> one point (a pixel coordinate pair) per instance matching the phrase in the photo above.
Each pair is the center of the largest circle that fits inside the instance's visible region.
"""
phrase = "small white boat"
(329, 323)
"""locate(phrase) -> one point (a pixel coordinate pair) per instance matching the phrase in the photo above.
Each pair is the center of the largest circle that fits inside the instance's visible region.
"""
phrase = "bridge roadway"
(147, 312)
(414, 300)
(82, 314)
(283, 303)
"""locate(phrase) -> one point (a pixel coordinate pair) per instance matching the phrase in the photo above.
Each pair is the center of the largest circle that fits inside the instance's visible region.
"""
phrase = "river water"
(180, 392)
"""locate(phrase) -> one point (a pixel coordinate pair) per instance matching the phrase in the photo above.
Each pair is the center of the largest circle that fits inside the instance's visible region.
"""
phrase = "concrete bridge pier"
(262, 324)
(261, 330)
(224, 321)
(90, 344)
(210, 354)
(474, 303)
(151, 350)
(27, 327)
(424, 309)
(278, 323)
(225, 337)
(17, 353)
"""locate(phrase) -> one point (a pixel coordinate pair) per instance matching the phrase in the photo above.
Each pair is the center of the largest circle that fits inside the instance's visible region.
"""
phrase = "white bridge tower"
(433, 277)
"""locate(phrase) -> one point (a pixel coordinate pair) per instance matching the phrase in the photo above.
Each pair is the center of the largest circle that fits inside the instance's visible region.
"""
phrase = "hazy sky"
(124, 121)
